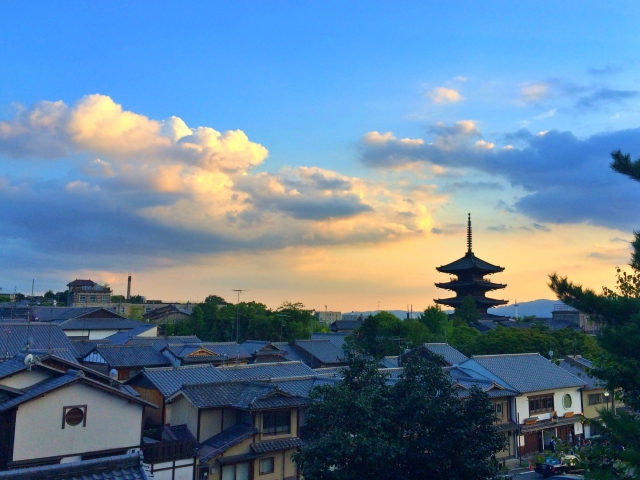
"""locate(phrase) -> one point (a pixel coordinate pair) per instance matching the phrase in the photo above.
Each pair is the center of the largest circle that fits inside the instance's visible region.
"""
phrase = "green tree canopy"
(417, 428)
(468, 311)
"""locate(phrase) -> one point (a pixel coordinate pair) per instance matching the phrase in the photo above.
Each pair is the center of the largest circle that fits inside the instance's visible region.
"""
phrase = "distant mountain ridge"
(540, 308)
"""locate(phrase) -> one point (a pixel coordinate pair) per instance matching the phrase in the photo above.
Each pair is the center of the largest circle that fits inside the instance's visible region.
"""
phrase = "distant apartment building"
(328, 317)
(87, 293)
(564, 314)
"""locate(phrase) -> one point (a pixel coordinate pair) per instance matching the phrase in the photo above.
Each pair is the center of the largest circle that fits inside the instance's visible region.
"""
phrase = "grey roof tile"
(45, 337)
(220, 350)
(224, 440)
(105, 324)
(528, 372)
(323, 350)
(245, 395)
(40, 389)
(131, 356)
(266, 370)
(276, 445)
(450, 354)
(169, 380)
(583, 374)
(120, 467)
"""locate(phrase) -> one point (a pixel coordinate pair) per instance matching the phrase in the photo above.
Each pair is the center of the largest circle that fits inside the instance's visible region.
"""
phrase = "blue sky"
(309, 83)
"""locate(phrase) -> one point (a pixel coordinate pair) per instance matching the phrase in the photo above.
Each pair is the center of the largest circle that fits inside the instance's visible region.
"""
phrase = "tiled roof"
(266, 370)
(337, 338)
(47, 314)
(528, 372)
(47, 361)
(219, 350)
(224, 440)
(285, 349)
(103, 324)
(468, 262)
(492, 389)
(178, 432)
(583, 374)
(276, 445)
(131, 356)
(171, 379)
(44, 337)
(120, 467)
(346, 325)
(450, 354)
(302, 386)
(84, 347)
(389, 362)
(245, 395)
(323, 350)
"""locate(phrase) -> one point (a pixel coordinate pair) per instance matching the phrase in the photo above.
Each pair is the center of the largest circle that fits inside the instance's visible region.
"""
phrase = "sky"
(318, 152)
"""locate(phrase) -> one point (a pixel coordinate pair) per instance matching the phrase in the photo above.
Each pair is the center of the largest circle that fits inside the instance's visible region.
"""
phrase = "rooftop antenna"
(469, 236)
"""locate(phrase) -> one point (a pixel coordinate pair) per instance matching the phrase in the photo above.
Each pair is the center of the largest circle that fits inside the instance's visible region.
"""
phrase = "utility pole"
(238, 314)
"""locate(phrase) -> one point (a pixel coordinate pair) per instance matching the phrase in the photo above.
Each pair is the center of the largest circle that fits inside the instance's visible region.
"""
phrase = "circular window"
(74, 416)
(566, 401)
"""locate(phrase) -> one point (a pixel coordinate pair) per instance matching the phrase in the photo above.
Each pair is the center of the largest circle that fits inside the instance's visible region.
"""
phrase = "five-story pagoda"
(470, 272)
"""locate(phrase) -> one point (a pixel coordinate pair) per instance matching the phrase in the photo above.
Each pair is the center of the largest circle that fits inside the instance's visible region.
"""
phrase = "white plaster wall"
(112, 422)
(24, 379)
(522, 403)
(152, 332)
(182, 412)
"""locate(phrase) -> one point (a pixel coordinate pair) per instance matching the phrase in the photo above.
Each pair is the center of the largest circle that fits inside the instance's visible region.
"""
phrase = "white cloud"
(534, 92)
(162, 186)
(444, 95)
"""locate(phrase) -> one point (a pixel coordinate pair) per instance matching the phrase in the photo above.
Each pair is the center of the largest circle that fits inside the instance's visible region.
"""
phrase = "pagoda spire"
(469, 236)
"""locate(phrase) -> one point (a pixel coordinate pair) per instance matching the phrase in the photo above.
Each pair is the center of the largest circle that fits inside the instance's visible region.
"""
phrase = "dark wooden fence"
(168, 451)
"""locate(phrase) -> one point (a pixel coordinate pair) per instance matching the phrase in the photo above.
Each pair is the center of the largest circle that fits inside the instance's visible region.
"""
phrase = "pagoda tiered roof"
(476, 284)
(482, 302)
(470, 262)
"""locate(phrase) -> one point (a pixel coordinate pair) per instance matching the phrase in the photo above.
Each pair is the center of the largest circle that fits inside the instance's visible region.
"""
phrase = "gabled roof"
(48, 362)
(389, 362)
(579, 368)
(288, 352)
(526, 372)
(43, 337)
(54, 383)
(469, 262)
(48, 314)
(131, 356)
(324, 351)
(243, 395)
(217, 351)
(225, 440)
(169, 380)
(119, 467)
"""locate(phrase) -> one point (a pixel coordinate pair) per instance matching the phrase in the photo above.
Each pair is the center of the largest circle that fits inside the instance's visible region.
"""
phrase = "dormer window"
(275, 423)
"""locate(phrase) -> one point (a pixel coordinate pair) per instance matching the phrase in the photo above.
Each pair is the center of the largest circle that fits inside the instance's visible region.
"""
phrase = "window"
(83, 298)
(566, 401)
(266, 465)
(275, 423)
(498, 409)
(239, 471)
(92, 298)
(596, 398)
(541, 404)
(74, 415)
(105, 298)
